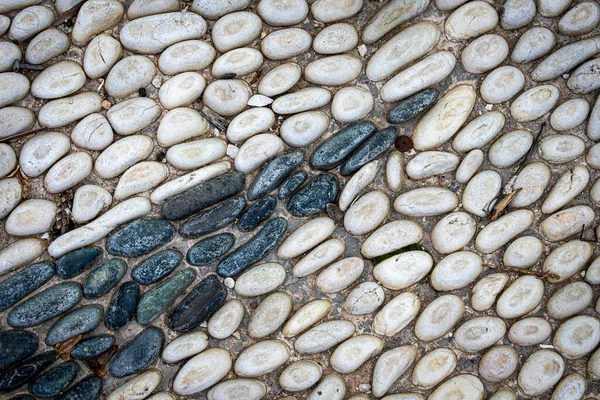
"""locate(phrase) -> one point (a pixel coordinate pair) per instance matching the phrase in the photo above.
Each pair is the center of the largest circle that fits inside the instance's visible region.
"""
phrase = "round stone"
(569, 114)
(279, 79)
(285, 43)
(227, 97)
(31, 217)
(498, 364)
(351, 104)
(502, 84)
(235, 30)
(523, 252)
(580, 19)
(484, 54)
(533, 44)
(336, 39)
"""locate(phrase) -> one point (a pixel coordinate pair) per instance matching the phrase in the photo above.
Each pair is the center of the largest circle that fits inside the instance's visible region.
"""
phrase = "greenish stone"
(104, 277)
(214, 219)
(140, 237)
(274, 174)
(371, 149)
(93, 346)
(412, 106)
(76, 322)
(23, 283)
(137, 354)
(55, 381)
(257, 213)
(15, 346)
(122, 306)
(335, 149)
(292, 184)
(156, 267)
(75, 262)
(208, 250)
(314, 197)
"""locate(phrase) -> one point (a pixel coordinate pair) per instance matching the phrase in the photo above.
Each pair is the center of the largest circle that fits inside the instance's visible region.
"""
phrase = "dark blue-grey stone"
(208, 250)
(214, 219)
(55, 381)
(257, 213)
(88, 389)
(26, 371)
(104, 277)
(16, 346)
(138, 353)
(198, 305)
(45, 305)
(156, 267)
(409, 107)
(76, 322)
(122, 306)
(24, 396)
(203, 196)
(371, 149)
(93, 346)
(335, 149)
(75, 262)
(140, 237)
(254, 250)
(292, 184)
(156, 301)
(23, 283)
(274, 174)
(314, 197)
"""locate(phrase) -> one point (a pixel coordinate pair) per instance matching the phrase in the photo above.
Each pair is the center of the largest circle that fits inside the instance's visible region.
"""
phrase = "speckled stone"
(369, 150)
(314, 196)
(122, 306)
(274, 174)
(335, 149)
(156, 267)
(104, 277)
(92, 346)
(138, 353)
(26, 371)
(23, 283)
(257, 213)
(140, 237)
(412, 106)
(55, 381)
(210, 249)
(75, 262)
(292, 184)
(89, 388)
(76, 322)
(214, 219)
(16, 346)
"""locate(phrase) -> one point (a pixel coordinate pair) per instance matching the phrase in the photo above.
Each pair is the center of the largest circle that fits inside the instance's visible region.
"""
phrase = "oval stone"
(185, 346)
(470, 20)
(533, 44)
(560, 149)
(497, 233)
(210, 249)
(76, 322)
(227, 97)
(26, 371)
(390, 16)
(133, 115)
(314, 196)
(10, 195)
(156, 301)
(19, 253)
(336, 39)
(534, 103)
(567, 222)
(479, 131)
(279, 79)
(270, 314)
(93, 133)
(92, 346)
(302, 100)
(531, 182)
(24, 283)
(569, 300)
(285, 43)
(237, 61)
(104, 277)
(391, 237)
(47, 45)
(530, 331)
(568, 259)
(523, 252)
(354, 352)
(140, 237)
(202, 371)
(260, 280)
(156, 267)
(226, 320)
(339, 275)
(584, 79)
(56, 380)
(249, 123)
(498, 364)
(431, 163)
(484, 54)
(453, 232)
(276, 13)
(15, 346)
(509, 148)
(403, 270)
(88, 388)
(569, 114)
(434, 367)
(390, 366)
(566, 188)
(300, 375)
(122, 306)
(364, 298)
(412, 106)
(368, 212)
(486, 290)
(189, 55)
(397, 314)
(101, 55)
(479, 333)
(456, 271)
(68, 172)
(324, 336)
(517, 13)
(138, 387)
(235, 30)
(502, 84)
(521, 297)
(425, 202)
(306, 316)
(120, 82)
(181, 90)
(540, 372)
(248, 388)
(351, 104)
(439, 317)
(31, 217)
(464, 386)
(261, 358)
(52, 84)
(138, 353)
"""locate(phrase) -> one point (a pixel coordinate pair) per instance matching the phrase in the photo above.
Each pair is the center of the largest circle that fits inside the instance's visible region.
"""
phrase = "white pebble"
(31, 217)
(89, 201)
(68, 172)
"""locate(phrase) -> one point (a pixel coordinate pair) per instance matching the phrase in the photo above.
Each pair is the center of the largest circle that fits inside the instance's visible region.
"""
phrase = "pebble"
(261, 358)
(23, 283)
(524, 252)
(60, 112)
(479, 131)
(10, 195)
(364, 298)
(306, 237)
(354, 352)
(211, 10)
(336, 38)
(351, 104)
(19, 253)
(319, 257)
(139, 387)
(531, 182)
(426, 201)
(509, 148)
(226, 320)
(486, 290)
(463, 386)
(185, 346)
(550, 8)
(227, 97)
(324, 336)
(502, 84)
(249, 123)
(8, 159)
(412, 106)
(434, 367)
(31, 217)
(566, 188)
(565, 223)
(565, 59)
(270, 314)
(122, 306)
(202, 371)
(29, 22)
(181, 90)
(210, 249)
(279, 79)
(390, 366)
(191, 155)
(592, 272)
(256, 151)
(569, 114)
(68, 172)
(403, 270)
(104, 277)
(92, 133)
(452, 232)
(9, 52)
(303, 100)
(439, 317)
(540, 372)
(237, 61)
(181, 124)
(497, 233)
(308, 315)
(95, 17)
(77, 322)
(470, 20)
(101, 55)
(580, 19)
(235, 30)
(138, 353)
(235, 388)
(285, 43)
(56, 380)
(75, 262)
(570, 300)
(356, 184)
(140, 178)
(484, 54)
(584, 79)
(189, 55)
(336, 148)
(89, 201)
(431, 163)
(4, 24)
(300, 375)
(331, 10)
(292, 184)
(143, 8)
(334, 70)
(390, 16)
(42, 151)
(92, 346)
(15, 346)
(533, 44)
(88, 388)
(274, 174)
(26, 371)
(120, 82)
(568, 259)
(140, 237)
(122, 154)
(314, 196)
(517, 13)
(396, 314)
(156, 267)
(58, 80)
(367, 213)
(593, 126)
(456, 271)
(133, 115)
(13, 88)
(498, 364)
(369, 150)
(479, 333)
(340, 275)
(521, 297)
(534, 103)
(530, 331)
(572, 386)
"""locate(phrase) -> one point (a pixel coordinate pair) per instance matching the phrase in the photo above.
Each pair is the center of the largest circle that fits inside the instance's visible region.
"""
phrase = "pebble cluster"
(282, 199)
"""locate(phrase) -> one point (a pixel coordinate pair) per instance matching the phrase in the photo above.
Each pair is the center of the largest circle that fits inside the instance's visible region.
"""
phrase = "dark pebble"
(156, 301)
(292, 184)
(336, 148)
(26, 371)
(104, 277)
(140, 237)
(16, 346)
(204, 195)
(75, 262)
(138, 353)
(122, 306)
(254, 250)
(274, 174)
(23, 283)
(156, 267)
(93, 346)
(412, 106)
(24, 396)
(76, 322)
(314, 197)
(46, 305)
(257, 213)
(55, 381)
(198, 305)
(88, 389)
(371, 149)
(214, 219)
(404, 143)
(208, 250)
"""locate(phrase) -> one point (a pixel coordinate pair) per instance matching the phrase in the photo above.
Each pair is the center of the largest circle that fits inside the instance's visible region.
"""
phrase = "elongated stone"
(138, 353)
(335, 149)
(203, 371)
(24, 283)
(89, 389)
(140, 237)
(369, 150)
(93, 346)
(122, 306)
(198, 305)
(104, 277)
(204, 195)
(314, 197)
(208, 250)
(324, 336)
(72, 264)
(565, 59)
(26, 371)
(46, 305)
(155, 301)
(412, 106)
(291, 184)
(16, 346)
(274, 174)
(156, 267)
(214, 219)
(55, 381)
(390, 16)
(77, 322)
(257, 213)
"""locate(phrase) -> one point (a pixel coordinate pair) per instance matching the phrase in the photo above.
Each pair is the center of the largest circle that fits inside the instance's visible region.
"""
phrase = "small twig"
(502, 204)
(21, 134)
(537, 274)
(220, 125)
(67, 15)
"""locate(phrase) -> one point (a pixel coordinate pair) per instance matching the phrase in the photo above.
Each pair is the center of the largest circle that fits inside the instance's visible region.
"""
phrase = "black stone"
(214, 219)
(314, 197)
(208, 250)
(16, 346)
(26, 371)
(274, 174)
(203, 196)
(335, 149)
(198, 305)
(93, 346)
(140, 237)
(371, 149)
(156, 267)
(122, 306)
(257, 213)
(75, 262)
(55, 381)
(88, 389)
(254, 250)
(45, 305)
(76, 322)
(23, 283)
(104, 277)
(292, 184)
(138, 353)
(412, 106)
